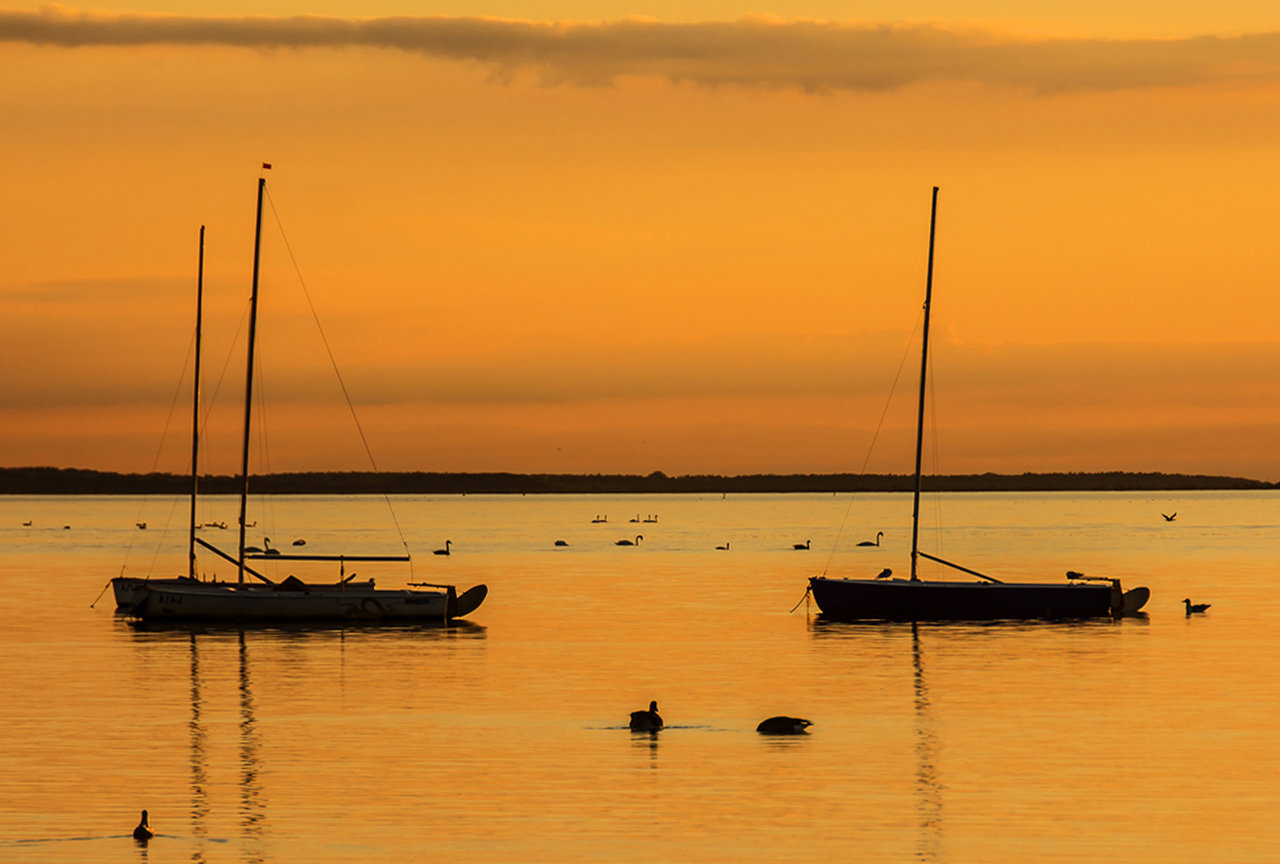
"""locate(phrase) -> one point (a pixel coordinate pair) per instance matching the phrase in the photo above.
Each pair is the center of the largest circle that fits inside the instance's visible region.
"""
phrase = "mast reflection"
(928, 786)
(199, 775)
(252, 808)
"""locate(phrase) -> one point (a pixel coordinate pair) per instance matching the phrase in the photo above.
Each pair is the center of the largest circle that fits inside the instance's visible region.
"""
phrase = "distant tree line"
(76, 481)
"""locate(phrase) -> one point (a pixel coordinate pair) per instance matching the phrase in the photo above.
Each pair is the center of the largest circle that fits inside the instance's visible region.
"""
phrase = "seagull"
(1169, 517)
(143, 832)
(879, 534)
(445, 550)
(646, 721)
(783, 726)
(1195, 608)
(804, 545)
(639, 537)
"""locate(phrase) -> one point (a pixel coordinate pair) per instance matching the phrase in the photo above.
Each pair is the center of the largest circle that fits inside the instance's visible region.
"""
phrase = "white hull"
(222, 602)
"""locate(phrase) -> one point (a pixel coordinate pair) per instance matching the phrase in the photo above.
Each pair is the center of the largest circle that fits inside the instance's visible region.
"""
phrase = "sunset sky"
(638, 236)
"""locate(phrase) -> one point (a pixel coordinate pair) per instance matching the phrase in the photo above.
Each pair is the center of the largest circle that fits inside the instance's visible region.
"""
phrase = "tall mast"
(248, 384)
(195, 416)
(924, 367)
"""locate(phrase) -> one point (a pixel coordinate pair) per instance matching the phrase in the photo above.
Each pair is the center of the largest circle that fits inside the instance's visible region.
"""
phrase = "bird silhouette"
(647, 721)
(561, 543)
(143, 832)
(725, 547)
(783, 726)
(1195, 608)
(804, 545)
(879, 534)
(1169, 517)
(445, 550)
(639, 537)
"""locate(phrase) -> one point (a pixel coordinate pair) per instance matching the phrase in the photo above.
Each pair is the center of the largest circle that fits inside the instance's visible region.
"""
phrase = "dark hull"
(902, 600)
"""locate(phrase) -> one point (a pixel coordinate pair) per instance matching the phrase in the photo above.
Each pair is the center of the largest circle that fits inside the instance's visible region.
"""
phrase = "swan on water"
(639, 537)
(804, 545)
(445, 550)
(876, 542)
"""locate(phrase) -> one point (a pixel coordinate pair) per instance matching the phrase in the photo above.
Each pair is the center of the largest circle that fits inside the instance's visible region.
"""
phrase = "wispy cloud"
(752, 52)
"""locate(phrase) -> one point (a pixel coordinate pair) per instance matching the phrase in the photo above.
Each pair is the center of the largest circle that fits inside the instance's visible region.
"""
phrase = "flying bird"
(1169, 517)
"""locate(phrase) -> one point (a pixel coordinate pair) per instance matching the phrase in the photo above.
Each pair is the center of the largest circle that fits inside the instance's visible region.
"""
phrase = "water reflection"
(199, 774)
(928, 785)
(252, 806)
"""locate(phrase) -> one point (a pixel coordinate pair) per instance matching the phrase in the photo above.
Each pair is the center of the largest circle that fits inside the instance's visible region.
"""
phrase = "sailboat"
(291, 600)
(890, 598)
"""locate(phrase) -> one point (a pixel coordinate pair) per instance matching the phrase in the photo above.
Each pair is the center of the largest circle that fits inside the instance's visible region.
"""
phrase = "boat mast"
(248, 384)
(924, 366)
(195, 417)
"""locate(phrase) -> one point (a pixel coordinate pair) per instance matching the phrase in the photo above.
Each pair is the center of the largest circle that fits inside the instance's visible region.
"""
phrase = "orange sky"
(559, 239)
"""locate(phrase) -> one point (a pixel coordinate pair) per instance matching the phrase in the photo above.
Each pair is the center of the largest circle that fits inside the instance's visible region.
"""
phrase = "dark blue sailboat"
(915, 599)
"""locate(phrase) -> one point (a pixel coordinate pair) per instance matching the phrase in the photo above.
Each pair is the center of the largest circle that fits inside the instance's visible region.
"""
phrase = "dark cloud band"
(753, 52)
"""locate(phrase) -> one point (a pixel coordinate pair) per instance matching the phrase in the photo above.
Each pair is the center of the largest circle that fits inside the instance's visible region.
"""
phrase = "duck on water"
(646, 721)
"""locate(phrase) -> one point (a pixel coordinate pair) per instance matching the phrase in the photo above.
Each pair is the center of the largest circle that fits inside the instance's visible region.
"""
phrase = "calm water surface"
(504, 739)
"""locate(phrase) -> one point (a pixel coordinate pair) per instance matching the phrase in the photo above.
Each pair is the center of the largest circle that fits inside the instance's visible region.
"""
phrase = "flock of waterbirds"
(649, 721)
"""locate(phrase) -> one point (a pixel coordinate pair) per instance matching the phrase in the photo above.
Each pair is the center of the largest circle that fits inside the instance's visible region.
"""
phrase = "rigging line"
(934, 455)
(364, 441)
(884, 412)
(155, 461)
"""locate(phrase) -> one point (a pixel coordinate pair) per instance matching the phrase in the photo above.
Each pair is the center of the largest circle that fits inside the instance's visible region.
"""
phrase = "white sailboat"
(889, 598)
(291, 600)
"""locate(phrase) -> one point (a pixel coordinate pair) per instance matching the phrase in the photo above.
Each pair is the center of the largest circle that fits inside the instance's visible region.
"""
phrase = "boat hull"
(903, 600)
(129, 590)
(228, 603)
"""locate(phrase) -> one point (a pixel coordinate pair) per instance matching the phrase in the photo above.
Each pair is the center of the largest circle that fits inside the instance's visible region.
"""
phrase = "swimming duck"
(783, 726)
(143, 831)
(646, 721)
(1195, 608)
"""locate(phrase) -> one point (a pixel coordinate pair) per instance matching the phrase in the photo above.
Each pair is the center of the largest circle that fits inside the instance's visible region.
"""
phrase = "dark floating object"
(725, 547)
(876, 542)
(1169, 517)
(143, 832)
(299, 542)
(639, 537)
(782, 726)
(445, 550)
(646, 721)
(804, 545)
(561, 543)
(1195, 608)
(142, 526)
(598, 520)
(884, 574)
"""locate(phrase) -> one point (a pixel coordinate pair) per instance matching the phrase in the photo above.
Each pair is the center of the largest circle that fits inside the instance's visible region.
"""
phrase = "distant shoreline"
(76, 481)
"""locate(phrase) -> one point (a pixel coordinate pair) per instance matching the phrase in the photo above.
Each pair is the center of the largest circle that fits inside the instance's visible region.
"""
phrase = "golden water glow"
(607, 260)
